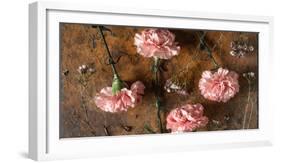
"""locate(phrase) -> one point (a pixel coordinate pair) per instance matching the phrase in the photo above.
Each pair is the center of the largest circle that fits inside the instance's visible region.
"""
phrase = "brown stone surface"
(81, 44)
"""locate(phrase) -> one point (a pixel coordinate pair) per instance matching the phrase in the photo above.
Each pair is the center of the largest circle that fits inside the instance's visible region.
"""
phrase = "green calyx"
(117, 85)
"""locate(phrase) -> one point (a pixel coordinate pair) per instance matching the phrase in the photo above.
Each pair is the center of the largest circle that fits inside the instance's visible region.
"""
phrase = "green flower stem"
(203, 43)
(117, 83)
(148, 129)
(111, 61)
(157, 91)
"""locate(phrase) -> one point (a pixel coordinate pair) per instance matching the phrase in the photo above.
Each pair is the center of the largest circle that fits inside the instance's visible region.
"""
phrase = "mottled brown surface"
(81, 44)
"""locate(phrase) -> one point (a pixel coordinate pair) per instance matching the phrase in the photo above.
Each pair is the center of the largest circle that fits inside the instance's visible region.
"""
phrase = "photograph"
(135, 80)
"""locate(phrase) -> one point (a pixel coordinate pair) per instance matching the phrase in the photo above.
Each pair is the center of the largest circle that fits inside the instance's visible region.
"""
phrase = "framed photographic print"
(109, 81)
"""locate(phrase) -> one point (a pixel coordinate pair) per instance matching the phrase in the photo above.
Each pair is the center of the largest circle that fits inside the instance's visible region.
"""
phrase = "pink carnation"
(186, 118)
(121, 101)
(158, 43)
(219, 86)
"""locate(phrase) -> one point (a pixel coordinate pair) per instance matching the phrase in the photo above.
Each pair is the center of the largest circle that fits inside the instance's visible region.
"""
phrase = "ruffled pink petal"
(138, 87)
(186, 118)
(219, 86)
(121, 101)
(158, 43)
(138, 90)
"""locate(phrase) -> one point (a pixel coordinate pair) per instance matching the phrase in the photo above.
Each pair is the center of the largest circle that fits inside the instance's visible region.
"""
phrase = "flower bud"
(116, 85)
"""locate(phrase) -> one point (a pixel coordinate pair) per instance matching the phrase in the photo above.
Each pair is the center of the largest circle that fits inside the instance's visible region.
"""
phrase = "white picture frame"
(44, 142)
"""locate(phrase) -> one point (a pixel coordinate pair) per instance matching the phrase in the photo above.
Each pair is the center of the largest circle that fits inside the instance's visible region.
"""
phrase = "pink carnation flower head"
(157, 43)
(186, 118)
(120, 101)
(219, 86)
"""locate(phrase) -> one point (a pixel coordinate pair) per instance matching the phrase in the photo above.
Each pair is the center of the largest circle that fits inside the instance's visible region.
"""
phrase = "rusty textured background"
(81, 44)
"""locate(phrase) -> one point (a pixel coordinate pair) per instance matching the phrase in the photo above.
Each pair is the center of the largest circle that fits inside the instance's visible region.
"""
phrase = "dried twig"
(206, 47)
